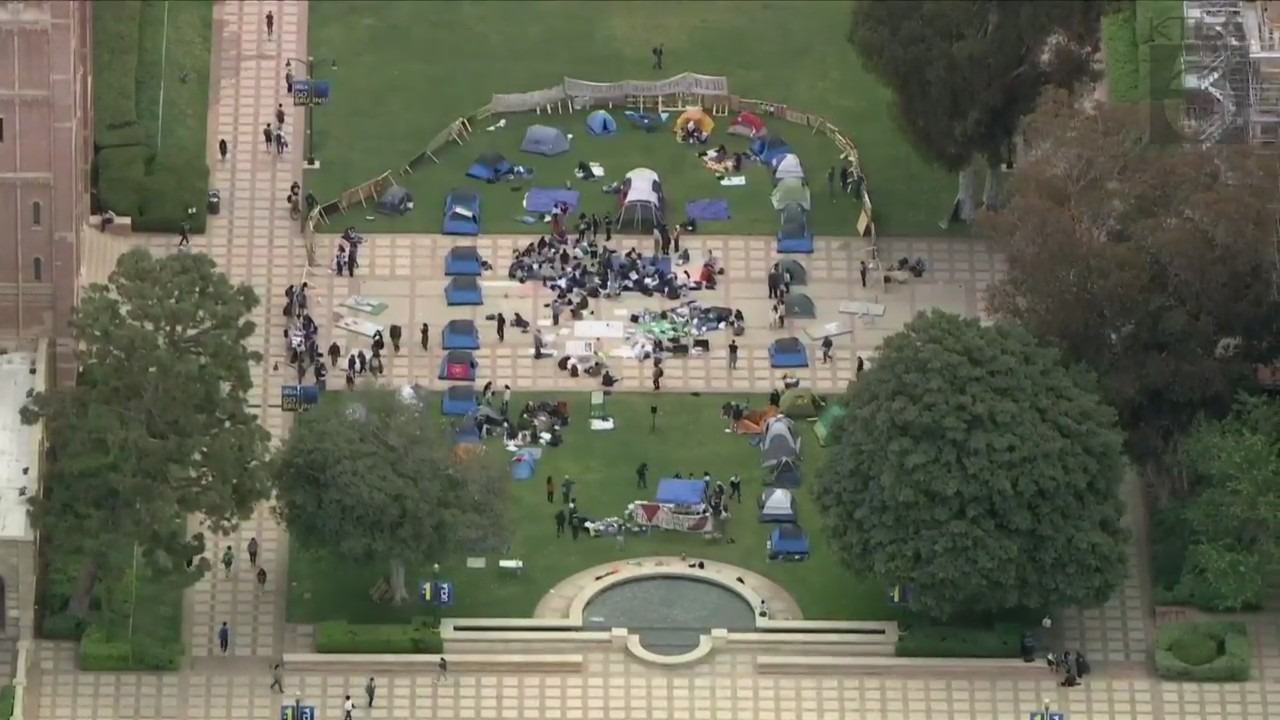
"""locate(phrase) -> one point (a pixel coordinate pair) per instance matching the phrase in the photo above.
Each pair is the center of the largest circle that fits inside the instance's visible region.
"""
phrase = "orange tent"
(699, 117)
(753, 422)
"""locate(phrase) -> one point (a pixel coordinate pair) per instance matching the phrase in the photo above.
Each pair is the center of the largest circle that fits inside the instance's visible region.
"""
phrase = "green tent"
(800, 404)
(826, 420)
(791, 190)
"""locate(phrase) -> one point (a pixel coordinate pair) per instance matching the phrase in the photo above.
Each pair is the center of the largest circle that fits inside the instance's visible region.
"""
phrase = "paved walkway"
(254, 242)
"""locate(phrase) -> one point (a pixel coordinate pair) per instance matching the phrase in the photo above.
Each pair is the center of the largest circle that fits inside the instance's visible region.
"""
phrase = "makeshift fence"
(673, 94)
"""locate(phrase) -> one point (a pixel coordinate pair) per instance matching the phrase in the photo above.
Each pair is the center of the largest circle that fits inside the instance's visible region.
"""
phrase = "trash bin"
(215, 202)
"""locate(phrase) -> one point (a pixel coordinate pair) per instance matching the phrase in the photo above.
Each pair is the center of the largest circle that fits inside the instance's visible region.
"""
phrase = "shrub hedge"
(1120, 43)
(1001, 640)
(99, 652)
(339, 636)
(131, 179)
(6, 702)
(1230, 660)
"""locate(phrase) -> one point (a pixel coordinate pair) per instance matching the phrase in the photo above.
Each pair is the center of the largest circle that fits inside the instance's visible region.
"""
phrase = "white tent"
(777, 505)
(787, 166)
(641, 201)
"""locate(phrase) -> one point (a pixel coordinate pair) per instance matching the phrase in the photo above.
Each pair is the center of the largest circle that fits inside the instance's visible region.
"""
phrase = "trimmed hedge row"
(99, 652)
(1210, 651)
(928, 640)
(1120, 43)
(6, 702)
(155, 190)
(339, 636)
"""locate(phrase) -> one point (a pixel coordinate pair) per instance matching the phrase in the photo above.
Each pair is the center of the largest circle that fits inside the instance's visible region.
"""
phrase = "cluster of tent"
(780, 456)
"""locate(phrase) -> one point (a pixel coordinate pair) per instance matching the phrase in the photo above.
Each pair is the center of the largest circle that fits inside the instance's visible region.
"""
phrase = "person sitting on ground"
(608, 379)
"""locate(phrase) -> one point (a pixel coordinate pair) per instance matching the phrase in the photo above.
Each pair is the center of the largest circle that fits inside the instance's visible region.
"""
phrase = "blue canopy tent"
(461, 213)
(788, 352)
(459, 400)
(489, 167)
(601, 122)
(769, 148)
(463, 260)
(459, 365)
(794, 235)
(677, 491)
(788, 542)
(460, 335)
(463, 291)
(523, 464)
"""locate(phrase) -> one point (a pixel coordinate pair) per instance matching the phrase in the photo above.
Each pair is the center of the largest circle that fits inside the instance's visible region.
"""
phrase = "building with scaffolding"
(1231, 70)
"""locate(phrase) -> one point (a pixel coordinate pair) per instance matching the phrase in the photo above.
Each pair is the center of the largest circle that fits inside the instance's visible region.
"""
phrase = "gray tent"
(779, 441)
(800, 306)
(395, 200)
(799, 276)
(786, 474)
(776, 505)
(791, 190)
(543, 140)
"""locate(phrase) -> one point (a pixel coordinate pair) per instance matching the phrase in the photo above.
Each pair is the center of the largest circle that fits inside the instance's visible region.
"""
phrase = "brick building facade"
(46, 136)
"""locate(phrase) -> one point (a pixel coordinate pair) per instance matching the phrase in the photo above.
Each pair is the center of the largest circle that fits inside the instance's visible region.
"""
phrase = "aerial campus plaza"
(665, 540)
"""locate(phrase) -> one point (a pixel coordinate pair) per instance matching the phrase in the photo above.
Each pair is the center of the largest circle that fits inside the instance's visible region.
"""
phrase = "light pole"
(435, 591)
(1046, 709)
(310, 64)
(297, 705)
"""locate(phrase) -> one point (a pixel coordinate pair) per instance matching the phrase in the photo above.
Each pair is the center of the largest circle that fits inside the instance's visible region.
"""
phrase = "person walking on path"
(288, 78)
(826, 350)
(551, 490)
(277, 678)
(425, 331)
(223, 149)
(268, 137)
(253, 551)
(370, 688)
(335, 352)
(271, 25)
(862, 272)
(184, 235)
(280, 116)
(657, 57)
(348, 707)
(444, 670)
(224, 637)
(261, 576)
(502, 327)
(733, 354)
(228, 559)
(560, 521)
(395, 333)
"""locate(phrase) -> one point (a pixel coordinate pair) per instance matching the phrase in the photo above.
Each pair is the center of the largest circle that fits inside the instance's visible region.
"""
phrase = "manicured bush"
(1120, 44)
(62, 626)
(339, 636)
(6, 702)
(173, 186)
(115, 55)
(1213, 651)
(1001, 640)
(121, 171)
(98, 651)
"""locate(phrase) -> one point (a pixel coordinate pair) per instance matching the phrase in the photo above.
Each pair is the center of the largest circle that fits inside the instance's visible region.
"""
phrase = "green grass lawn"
(175, 120)
(406, 70)
(689, 439)
(684, 177)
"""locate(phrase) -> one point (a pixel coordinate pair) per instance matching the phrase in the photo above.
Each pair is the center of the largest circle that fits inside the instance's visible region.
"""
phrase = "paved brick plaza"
(254, 241)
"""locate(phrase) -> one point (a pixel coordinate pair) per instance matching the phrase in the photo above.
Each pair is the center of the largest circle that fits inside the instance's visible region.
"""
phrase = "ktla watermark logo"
(1173, 76)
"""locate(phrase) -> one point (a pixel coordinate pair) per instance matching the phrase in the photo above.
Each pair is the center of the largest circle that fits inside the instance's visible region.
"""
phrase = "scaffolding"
(1218, 75)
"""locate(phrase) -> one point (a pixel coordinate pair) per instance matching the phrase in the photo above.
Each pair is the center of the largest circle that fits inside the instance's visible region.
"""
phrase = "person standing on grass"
(271, 25)
(506, 399)
(642, 475)
(735, 488)
(657, 57)
(223, 149)
(224, 637)
(268, 137)
(608, 228)
(228, 559)
(551, 490)
(560, 518)
(253, 551)
(566, 489)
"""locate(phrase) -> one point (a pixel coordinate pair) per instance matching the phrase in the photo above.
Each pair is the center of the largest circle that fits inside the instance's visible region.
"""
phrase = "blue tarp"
(544, 199)
(707, 209)
(522, 465)
(788, 540)
(662, 262)
(675, 491)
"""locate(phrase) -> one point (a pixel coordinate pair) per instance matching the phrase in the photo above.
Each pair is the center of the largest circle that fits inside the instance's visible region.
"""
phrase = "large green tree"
(964, 74)
(157, 427)
(374, 479)
(976, 469)
(1153, 264)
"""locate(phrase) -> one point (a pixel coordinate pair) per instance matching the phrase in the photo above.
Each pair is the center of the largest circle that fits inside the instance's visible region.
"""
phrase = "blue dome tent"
(601, 122)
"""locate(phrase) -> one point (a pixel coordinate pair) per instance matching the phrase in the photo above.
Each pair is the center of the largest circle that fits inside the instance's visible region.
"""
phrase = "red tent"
(751, 122)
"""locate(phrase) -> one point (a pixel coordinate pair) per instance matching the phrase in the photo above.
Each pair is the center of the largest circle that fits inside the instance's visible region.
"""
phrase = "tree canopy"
(1154, 265)
(964, 74)
(975, 469)
(372, 478)
(157, 427)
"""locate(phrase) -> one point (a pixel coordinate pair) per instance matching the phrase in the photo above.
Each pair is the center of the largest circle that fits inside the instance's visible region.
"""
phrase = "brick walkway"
(254, 242)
